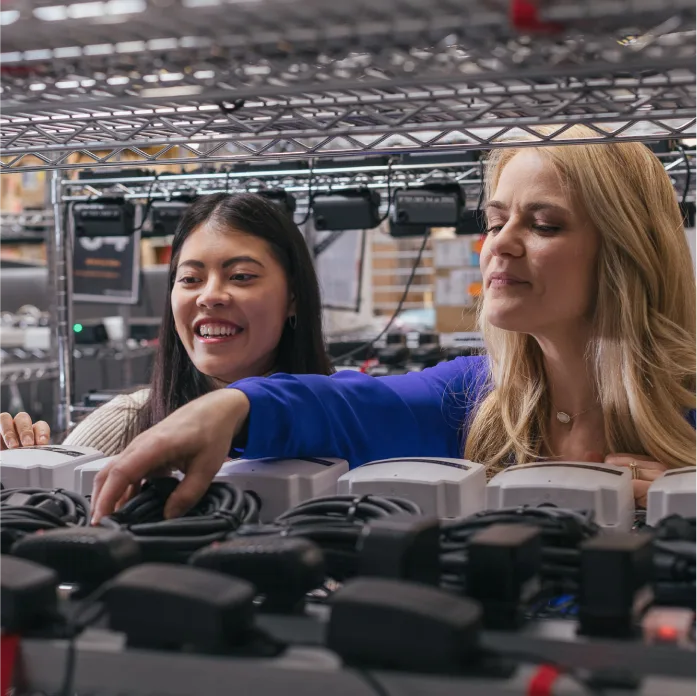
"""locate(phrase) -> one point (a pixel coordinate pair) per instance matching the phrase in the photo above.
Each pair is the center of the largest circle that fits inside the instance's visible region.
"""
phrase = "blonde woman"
(588, 315)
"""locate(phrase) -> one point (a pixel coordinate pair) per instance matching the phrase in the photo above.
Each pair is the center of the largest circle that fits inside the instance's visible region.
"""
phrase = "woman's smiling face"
(230, 302)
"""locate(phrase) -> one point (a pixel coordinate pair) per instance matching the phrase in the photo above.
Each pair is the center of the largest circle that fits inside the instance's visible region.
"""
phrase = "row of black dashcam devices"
(500, 561)
(412, 212)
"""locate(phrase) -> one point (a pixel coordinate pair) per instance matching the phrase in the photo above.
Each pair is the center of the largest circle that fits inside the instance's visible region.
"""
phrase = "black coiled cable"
(221, 511)
(27, 510)
(674, 561)
(335, 524)
(561, 533)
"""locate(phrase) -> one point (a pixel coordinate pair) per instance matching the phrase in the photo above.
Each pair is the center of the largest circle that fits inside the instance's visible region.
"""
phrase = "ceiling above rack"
(97, 83)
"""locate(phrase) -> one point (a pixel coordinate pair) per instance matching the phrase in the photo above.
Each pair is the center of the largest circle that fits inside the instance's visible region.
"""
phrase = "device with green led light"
(90, 332)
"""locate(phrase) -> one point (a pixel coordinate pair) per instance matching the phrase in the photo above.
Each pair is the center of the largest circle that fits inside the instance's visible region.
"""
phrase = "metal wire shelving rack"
(102, 83)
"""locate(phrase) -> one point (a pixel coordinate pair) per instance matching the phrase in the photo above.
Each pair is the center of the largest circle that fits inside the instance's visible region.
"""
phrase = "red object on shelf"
(542, 681)
(525, 15)
(9, 647)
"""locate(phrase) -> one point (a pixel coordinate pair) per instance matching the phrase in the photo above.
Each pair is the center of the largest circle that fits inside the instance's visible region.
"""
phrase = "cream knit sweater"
(105, 428)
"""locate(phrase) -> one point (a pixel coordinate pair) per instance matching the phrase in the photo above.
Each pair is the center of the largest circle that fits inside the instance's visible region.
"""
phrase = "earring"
(293, 321)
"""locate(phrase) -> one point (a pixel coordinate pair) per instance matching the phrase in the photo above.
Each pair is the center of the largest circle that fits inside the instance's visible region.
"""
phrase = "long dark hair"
(175, 380)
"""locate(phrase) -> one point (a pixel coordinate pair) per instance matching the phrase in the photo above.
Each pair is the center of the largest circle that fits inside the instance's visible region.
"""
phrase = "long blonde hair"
(643, 348)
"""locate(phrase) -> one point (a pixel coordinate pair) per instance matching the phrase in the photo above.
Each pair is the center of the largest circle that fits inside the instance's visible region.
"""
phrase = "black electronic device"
(400, 625)
(351, 209)
(503, 572)
(427, 351)
(615, 583)
(28, 593)
(282, 198)
(144, 329)
(399, 231)
(395, 351)
(471, 223)
(402, 547)
(335, 523)
(86, 556)
(170, 607)
(433, 205)
(165, 216)
(364, 348)
(562, 532)
(89, 332)
(108, 217)
(282, 569)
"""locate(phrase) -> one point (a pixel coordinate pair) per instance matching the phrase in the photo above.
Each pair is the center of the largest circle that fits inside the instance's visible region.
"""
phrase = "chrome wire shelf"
(378, 173)
(295, 80)
(27, 227)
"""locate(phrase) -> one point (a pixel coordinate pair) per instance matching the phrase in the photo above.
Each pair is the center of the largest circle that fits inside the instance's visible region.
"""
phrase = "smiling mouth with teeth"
(217, 330)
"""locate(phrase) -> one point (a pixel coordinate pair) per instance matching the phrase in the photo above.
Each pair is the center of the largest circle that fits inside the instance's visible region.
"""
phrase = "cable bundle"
(221, 511)
(674, 561)
(335, 524)
(27, 510)
(562, 531)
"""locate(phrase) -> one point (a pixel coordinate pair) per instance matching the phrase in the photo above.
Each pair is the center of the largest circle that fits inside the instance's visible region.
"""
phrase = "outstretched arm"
(354, 417)
(360, 418)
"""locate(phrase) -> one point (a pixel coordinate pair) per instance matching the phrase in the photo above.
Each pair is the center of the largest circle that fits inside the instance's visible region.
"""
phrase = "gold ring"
(635, 471)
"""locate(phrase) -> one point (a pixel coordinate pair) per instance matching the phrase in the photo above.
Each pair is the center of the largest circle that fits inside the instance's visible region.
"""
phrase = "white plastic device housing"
(603, 488)
(282, 484)
(85, 473)
(439, 486)
(673, 493)
(46, 466)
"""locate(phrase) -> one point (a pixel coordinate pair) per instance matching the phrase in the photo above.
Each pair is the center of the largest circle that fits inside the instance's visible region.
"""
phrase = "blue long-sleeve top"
(360, 418)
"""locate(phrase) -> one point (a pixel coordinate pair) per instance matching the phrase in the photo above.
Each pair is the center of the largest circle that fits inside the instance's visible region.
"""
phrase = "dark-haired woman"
(244, 301)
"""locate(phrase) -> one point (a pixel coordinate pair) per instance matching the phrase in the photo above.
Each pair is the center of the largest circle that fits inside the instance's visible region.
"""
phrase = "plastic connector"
(616, 572)
(393, 624)
(503, 572)
(282, 569)
(86, 556)
(170, 607)
(27, 593)
(402, 547)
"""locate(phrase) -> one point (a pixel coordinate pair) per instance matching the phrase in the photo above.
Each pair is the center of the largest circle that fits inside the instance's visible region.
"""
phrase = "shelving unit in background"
(190, 82)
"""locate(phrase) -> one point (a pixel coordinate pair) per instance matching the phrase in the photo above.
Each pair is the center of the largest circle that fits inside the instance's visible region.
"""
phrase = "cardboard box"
(456, 319)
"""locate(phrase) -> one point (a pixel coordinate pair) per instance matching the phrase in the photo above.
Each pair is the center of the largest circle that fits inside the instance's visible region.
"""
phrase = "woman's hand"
(195, 439)
(647, 471)
(21, 432)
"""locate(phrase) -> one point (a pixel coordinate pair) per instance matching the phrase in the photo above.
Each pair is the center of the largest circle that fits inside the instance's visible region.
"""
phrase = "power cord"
(688, 173)
(148, 203)
(335, 524)
(389, 193)
(75, 624)
(221, 511)
(368, 344)
(310, 195)
(24, 511)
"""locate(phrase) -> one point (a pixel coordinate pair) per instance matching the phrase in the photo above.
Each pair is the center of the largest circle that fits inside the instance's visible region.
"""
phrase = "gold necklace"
(564, 417)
